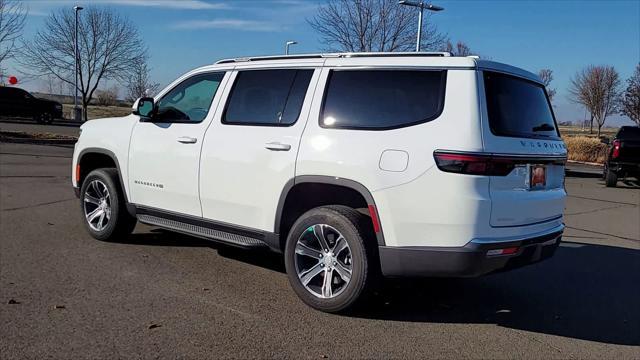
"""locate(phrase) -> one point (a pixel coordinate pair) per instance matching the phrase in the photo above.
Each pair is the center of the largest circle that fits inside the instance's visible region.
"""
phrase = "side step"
(202, 231)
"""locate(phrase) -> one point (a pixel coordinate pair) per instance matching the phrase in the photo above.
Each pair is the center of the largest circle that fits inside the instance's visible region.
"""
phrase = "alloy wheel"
(323, 261)
(97, 205)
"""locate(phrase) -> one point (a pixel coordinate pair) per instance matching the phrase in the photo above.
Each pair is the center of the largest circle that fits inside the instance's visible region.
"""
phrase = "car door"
(164, 151)
(249, 153)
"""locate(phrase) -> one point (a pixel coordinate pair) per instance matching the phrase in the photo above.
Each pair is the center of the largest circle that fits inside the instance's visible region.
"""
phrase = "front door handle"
(276, 146)
(187, 140)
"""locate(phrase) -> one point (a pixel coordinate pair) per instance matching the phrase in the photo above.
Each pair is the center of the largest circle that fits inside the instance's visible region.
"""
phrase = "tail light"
(473, 164)
(489, 164)
(616, 149)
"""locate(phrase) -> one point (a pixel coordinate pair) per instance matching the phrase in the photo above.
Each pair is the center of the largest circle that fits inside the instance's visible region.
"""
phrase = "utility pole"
(421, 7)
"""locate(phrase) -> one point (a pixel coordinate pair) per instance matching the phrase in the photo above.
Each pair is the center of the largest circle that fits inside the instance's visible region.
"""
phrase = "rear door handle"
(276, 146)
(187, 140)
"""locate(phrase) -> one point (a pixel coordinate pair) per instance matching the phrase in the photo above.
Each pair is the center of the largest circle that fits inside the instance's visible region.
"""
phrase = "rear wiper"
(543, 127)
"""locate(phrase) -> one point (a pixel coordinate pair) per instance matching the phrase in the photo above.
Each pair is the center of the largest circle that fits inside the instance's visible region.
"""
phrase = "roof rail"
(334, 55)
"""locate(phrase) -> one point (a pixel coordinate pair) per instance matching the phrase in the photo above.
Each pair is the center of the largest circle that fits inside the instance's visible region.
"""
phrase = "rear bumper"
(467, 261)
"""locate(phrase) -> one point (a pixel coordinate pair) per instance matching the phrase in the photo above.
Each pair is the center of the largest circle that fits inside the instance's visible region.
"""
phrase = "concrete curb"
(31, 138)
(585, 163)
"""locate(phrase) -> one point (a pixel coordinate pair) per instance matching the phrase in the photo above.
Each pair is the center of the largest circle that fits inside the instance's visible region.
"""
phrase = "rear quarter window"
(518, 107)
(382, 99)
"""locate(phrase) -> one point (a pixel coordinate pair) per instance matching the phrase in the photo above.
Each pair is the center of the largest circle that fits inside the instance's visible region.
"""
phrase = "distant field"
(578, 131)
(96, 112)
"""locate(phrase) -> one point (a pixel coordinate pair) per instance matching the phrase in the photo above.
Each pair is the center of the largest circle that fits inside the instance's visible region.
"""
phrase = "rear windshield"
(518, 107)
(629, 132)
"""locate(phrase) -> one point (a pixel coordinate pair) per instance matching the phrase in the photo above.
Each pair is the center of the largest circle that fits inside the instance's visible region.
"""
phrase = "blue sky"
(564, 36)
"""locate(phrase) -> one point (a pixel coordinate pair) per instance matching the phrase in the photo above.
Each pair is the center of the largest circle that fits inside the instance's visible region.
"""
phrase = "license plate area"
(537, 177)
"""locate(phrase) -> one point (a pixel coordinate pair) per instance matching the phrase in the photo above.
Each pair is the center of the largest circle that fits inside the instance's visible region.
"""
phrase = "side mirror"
(144, 107)
(604, 140)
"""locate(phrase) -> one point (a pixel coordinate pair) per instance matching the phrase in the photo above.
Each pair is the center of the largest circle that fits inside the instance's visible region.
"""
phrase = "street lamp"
(420, 5)
(286, 46)
(76, 112)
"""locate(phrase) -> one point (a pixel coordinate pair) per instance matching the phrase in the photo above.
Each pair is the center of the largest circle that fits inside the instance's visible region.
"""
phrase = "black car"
(18, 102)
(623, 158)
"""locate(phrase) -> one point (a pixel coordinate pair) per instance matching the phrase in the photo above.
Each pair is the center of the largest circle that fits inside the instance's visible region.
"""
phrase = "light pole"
(421, 6)
(286, 46)
(76, 113)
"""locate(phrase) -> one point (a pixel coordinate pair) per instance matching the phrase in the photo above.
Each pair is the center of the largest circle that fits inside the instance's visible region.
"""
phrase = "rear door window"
(382, 99)
(518, 107)
(267, 97)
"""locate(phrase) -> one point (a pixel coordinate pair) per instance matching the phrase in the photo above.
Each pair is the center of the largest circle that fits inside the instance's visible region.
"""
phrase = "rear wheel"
(329, 259)
(104, 206)
(611, 178)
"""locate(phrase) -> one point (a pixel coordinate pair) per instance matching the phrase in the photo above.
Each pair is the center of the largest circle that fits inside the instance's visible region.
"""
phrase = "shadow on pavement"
(258, 257)
(587, 292)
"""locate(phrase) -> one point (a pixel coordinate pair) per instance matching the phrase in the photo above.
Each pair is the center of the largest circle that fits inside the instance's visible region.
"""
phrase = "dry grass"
(582, 148)
(97, 112)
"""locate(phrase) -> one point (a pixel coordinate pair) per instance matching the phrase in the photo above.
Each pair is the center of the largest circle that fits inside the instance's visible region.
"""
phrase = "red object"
(509, 251)
(13, 80)
(505, 251)
(616, 149)
(78, 174)
(374, 218)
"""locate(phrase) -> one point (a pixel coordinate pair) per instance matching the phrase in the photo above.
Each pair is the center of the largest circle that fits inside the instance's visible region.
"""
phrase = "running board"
(206, 232)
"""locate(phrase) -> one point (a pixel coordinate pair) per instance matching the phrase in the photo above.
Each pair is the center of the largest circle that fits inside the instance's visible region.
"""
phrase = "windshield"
(518, 107)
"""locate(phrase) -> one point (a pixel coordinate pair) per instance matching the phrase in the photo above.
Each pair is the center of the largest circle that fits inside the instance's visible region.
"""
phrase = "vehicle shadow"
(585, 291)
(588, 292)
(158, 237)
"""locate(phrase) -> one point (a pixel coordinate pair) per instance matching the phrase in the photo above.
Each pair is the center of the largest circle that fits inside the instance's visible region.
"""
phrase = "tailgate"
(532, 193)
(519, 128)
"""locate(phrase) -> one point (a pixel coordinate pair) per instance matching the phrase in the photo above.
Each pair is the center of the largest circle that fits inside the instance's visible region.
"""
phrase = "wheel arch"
(93, 158)
(282, 224)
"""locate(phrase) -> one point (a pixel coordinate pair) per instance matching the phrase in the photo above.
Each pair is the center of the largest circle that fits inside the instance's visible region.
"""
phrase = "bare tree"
(107, 46)
(597, 88)
(459, 49)
(140, 83)
(107, 97)
(372, 25)
(12, 17)
(546, 75)
(630, 104)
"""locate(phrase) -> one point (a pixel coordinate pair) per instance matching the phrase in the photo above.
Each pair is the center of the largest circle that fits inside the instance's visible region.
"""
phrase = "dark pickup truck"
(623, 158)
(18, 102)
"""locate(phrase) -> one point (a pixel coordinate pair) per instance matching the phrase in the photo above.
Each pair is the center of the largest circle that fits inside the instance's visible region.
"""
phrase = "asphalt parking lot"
(157, 294)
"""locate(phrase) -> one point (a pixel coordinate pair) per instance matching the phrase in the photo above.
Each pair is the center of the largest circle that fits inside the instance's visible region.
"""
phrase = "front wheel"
(329, 257)
(104, 206)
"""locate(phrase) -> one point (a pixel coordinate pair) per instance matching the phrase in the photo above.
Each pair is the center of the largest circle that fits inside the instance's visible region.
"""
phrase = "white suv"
(352, 165)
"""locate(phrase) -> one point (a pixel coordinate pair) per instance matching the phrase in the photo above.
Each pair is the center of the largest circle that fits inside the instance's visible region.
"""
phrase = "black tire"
(121, 223)
(358, 233)
(611, 178)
